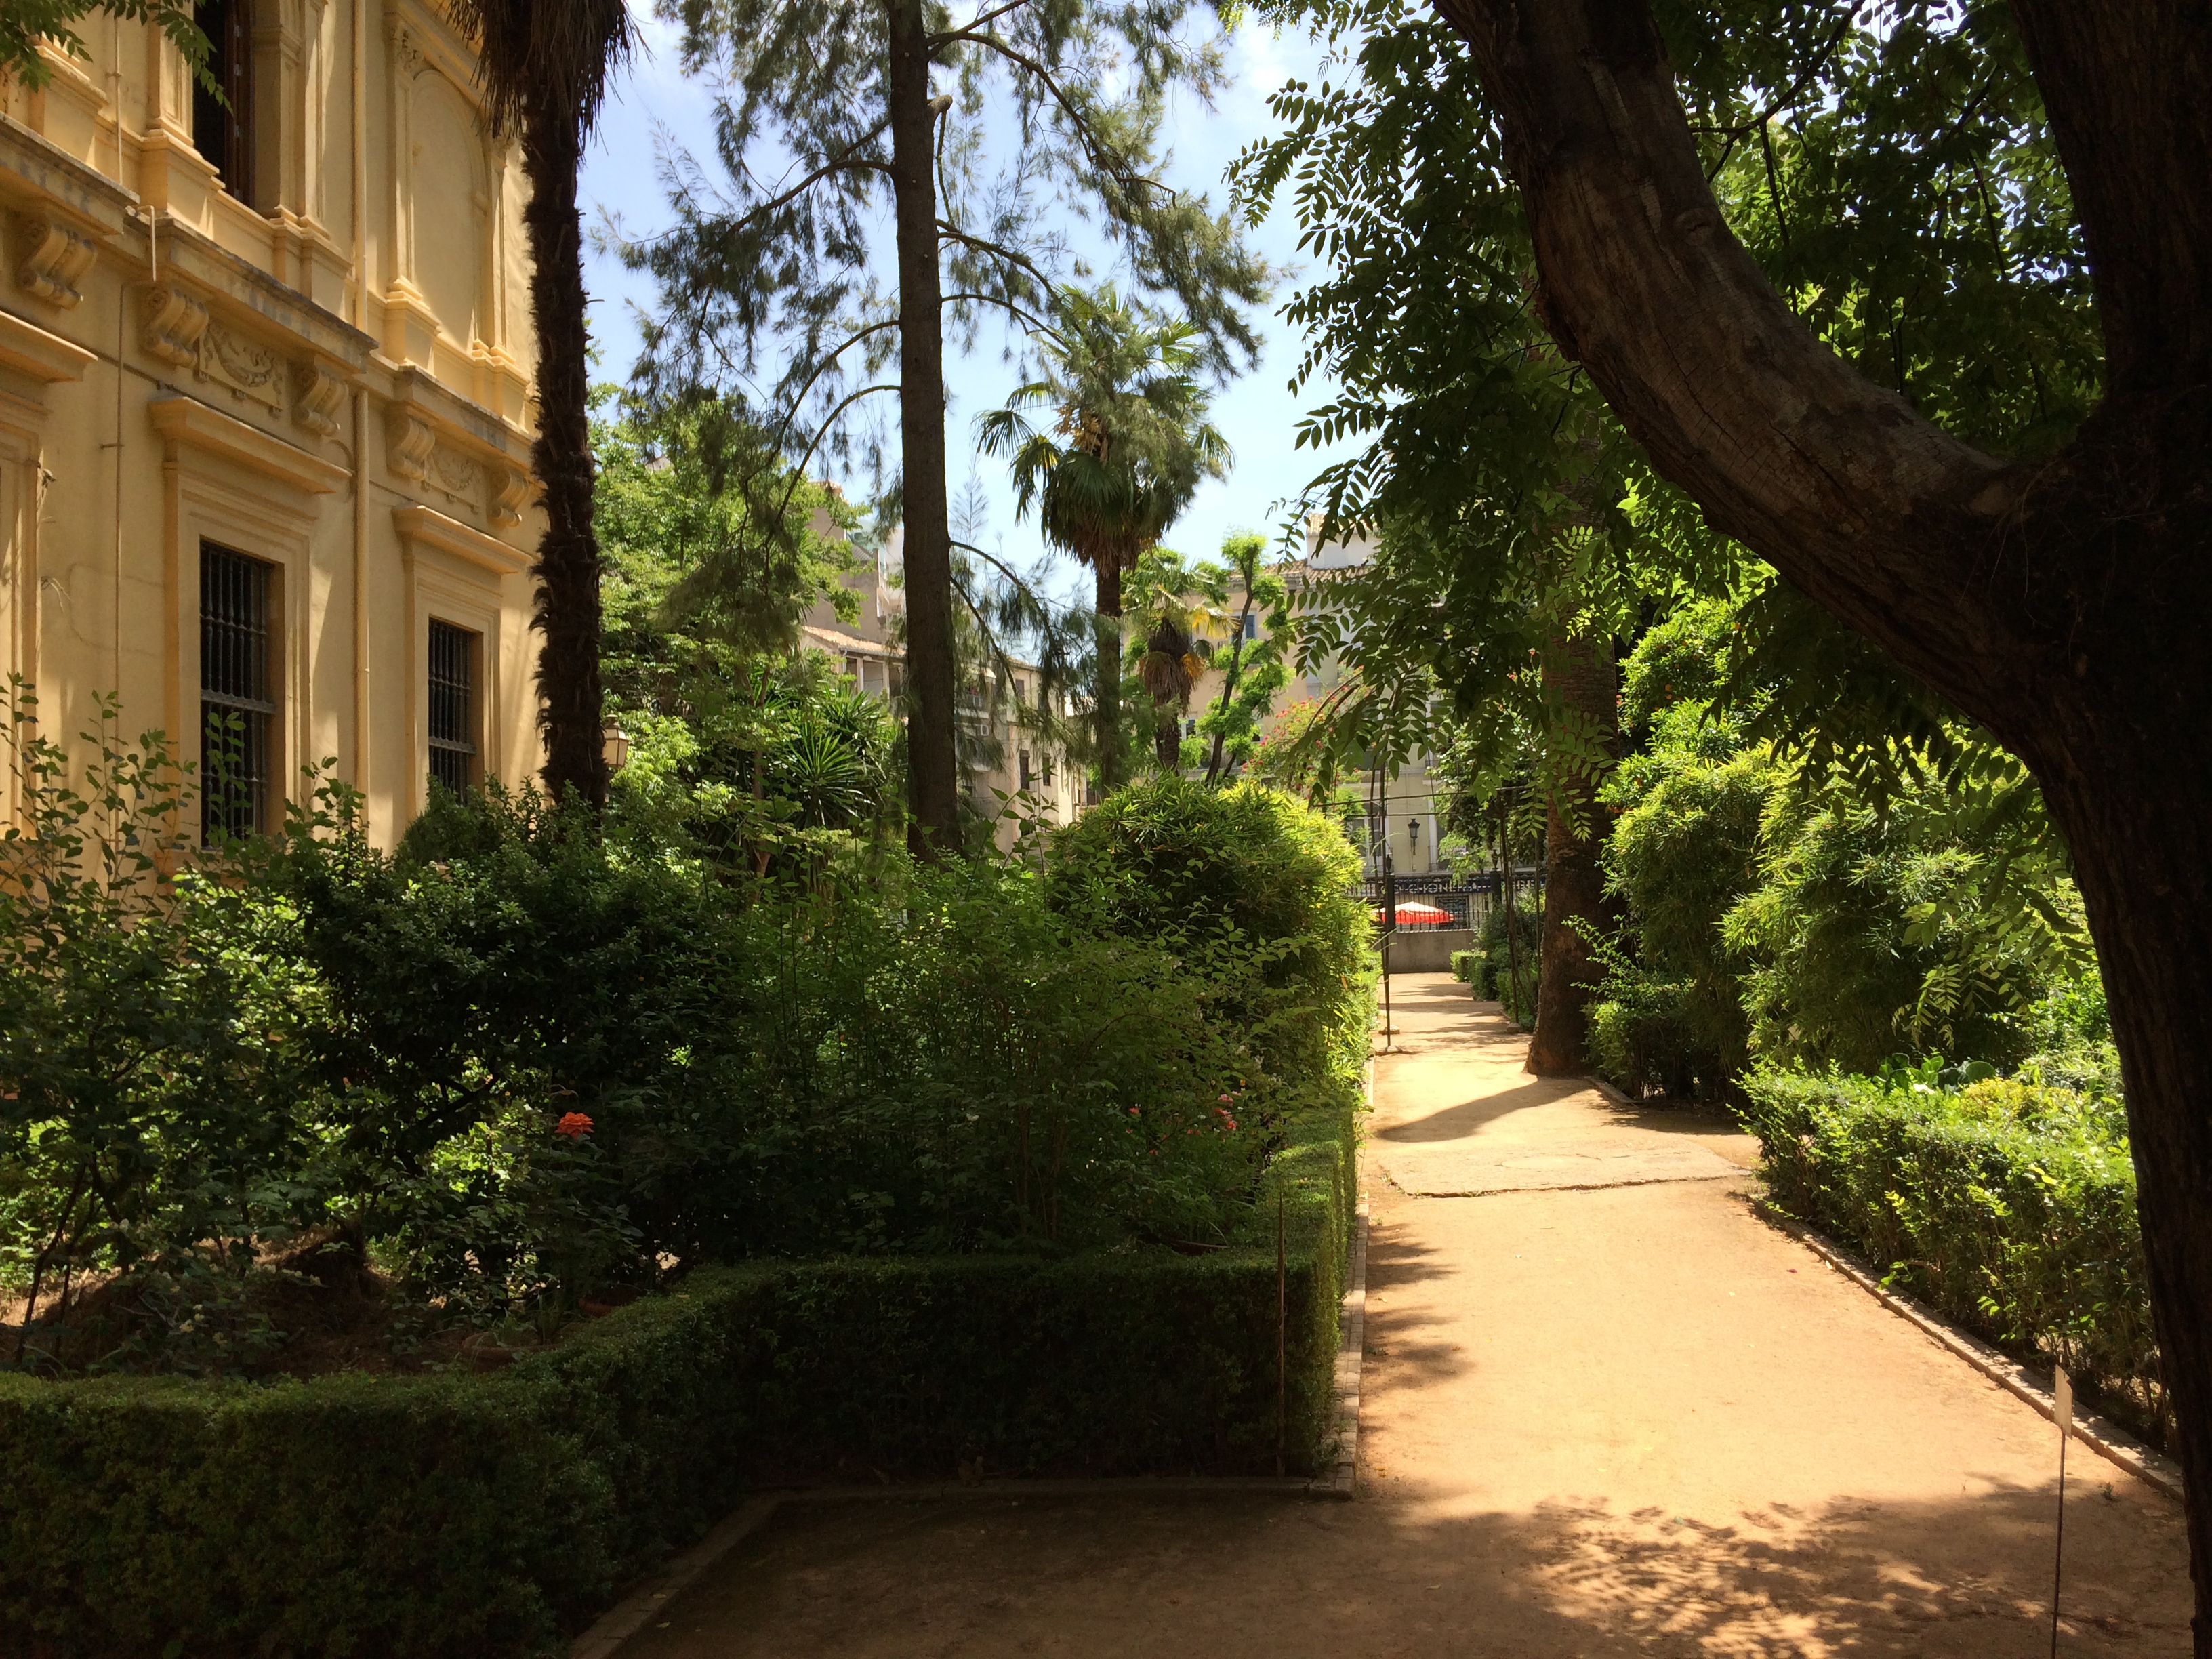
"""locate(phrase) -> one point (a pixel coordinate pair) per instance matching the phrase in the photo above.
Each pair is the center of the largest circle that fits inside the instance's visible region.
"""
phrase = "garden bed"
(493, 1514)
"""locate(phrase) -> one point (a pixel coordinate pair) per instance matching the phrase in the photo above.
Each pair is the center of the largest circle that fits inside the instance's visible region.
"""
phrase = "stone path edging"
(2115, 1445)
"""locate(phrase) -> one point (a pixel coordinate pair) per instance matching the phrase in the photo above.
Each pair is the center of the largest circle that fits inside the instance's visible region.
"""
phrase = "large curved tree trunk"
(1580, 690)
(1107, 702)
(932, 769)
(567, 569)
(2062, 605)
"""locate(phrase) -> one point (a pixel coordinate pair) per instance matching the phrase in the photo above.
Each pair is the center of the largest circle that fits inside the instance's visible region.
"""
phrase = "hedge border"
(168, 1516)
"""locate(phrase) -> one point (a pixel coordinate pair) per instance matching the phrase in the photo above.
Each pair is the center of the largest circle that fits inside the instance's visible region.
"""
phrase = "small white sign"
(2063, 1403)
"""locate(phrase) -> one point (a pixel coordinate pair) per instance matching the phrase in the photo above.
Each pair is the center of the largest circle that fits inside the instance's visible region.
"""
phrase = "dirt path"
(1606, 1410)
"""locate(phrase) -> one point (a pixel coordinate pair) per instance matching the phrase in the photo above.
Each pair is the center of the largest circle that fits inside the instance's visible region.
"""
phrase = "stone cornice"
(29, 349)
(427, 528)
(191, 423)
(241, 292)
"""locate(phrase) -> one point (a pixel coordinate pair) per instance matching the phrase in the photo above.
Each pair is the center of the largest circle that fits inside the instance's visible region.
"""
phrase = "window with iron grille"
(1025, 768)
(453, 706)
(237, 710)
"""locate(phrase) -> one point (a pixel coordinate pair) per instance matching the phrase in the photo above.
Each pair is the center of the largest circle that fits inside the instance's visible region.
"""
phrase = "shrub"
(2007, 1206)
(158, 1119)
(1466, 966)
(1683, 853)
(1645, 1037)
(1247, 883)
(1059, 1114)
(1495, 981)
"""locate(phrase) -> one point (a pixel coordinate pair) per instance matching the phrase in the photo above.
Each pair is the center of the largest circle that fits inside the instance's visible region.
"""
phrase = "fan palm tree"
(1120, 463)
(543, 66)
(1180, 608)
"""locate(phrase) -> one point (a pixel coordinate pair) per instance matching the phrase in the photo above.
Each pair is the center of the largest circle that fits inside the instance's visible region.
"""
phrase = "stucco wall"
(331, 377)
(1423, 951)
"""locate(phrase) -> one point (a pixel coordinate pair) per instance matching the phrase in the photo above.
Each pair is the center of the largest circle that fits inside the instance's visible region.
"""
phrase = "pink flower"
(574, 1125)
(1224, 1100)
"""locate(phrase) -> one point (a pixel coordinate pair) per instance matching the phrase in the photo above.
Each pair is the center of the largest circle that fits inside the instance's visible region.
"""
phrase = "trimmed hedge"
(459, 1515)
(2005, 1206)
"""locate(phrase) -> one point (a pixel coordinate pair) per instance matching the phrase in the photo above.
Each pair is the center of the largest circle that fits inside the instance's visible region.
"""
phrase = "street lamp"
(614, 745)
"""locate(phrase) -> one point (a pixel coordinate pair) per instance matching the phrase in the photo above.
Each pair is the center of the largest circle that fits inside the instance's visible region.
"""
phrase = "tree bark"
(2062, 606)
(1107, 710)
(568, 570)
(932, 771)
(1579, 687)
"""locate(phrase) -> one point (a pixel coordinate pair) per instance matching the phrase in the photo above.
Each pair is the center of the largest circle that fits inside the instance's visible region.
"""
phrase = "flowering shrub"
(520, 1063)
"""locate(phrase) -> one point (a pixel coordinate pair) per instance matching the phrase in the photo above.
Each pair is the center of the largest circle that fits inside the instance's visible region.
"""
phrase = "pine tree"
(830, 110)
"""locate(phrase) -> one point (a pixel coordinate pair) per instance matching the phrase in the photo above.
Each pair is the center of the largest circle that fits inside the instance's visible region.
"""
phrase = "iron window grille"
(452, 708)
(236, 709)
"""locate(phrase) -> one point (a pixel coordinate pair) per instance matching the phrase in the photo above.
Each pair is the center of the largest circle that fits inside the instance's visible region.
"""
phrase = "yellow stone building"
(266, 402)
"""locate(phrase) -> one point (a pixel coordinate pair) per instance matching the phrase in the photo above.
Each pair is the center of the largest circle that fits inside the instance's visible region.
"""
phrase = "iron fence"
(1462, 902)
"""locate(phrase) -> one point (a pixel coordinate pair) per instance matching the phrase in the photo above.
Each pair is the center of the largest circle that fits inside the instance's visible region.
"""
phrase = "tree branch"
(1886, 520)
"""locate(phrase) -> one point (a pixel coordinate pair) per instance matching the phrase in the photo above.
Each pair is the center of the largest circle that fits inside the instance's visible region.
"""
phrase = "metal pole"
(1389, 928)
(2062, 1410)
(1282, 1344)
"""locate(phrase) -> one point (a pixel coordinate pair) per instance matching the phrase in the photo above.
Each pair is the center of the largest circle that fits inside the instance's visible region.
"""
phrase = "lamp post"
(614, 745)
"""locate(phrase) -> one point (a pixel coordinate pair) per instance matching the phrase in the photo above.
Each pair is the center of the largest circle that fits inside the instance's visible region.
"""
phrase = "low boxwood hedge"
(494, 1514)
(2004, 1206)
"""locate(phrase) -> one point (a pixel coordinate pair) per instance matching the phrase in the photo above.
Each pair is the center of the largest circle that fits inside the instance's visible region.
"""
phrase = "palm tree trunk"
(1107, 708)
(1167, 738)
(1579, 687)
(567, 569)
(932, 772)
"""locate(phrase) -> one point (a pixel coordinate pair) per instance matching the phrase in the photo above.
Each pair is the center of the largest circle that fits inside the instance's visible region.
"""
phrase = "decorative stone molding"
(56, 255)
(423, 527)
(317, 397)
(454, 473)
(174, 324)
(509, 490)
(248, 368)
(409, 440)
(406, 50)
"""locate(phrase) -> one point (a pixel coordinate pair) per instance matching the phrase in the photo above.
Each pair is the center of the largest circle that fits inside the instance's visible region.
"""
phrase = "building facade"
(265, 405)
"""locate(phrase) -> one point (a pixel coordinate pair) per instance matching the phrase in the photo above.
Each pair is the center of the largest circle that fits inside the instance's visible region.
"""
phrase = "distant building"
(1404, 814)
(1007, 753)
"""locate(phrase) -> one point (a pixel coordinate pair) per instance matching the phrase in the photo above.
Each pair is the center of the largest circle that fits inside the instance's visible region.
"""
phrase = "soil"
(1606, 1410)
(334, 1309)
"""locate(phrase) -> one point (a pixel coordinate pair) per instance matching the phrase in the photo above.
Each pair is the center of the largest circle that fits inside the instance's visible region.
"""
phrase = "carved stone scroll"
(174, 325)
(55, 257)
(317, 397)
(409, 440)
(509, 489)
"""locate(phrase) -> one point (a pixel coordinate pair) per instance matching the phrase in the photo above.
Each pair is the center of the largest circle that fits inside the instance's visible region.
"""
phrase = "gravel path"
(1605, 1411)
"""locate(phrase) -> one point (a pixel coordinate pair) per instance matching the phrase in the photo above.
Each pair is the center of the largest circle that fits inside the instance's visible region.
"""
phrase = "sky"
(1255, 412)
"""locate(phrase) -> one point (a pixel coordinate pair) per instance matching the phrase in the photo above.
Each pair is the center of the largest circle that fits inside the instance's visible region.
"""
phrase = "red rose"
(574, 1125)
